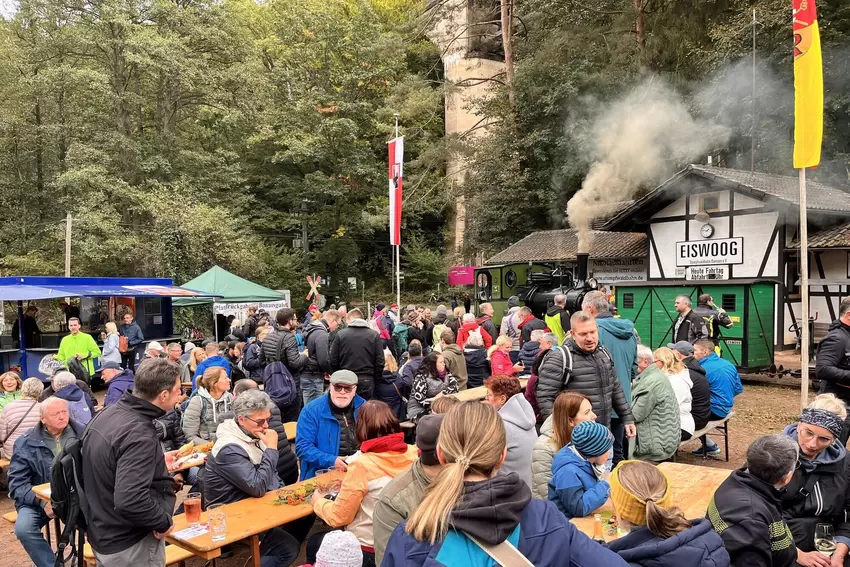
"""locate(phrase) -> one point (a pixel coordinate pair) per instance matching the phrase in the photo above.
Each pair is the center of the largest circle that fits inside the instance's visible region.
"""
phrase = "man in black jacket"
(281, 346)
(361, 350)
(832, 367)
(125, 471)
(318, 362)
(746, 510)
(583, 365)
(243, 464)
(701, 389)
(485, 320)
(688, 326)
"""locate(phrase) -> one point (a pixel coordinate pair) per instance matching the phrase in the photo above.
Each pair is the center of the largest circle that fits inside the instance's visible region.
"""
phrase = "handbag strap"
(505, 554)
(3, 442)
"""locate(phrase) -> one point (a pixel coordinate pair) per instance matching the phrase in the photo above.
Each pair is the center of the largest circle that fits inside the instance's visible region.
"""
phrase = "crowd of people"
(428, 479)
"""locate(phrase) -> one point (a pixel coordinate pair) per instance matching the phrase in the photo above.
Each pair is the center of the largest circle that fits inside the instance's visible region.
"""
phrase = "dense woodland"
(185, 133)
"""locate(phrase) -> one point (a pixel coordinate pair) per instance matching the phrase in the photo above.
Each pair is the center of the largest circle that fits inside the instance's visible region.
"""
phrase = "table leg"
(255, 550)
(58, 526)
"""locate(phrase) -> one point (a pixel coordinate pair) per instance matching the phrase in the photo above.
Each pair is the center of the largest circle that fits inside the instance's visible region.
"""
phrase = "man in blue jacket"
(31, 462)
(618, 336)
(214, 358)
(118, 381)
(135, 338)
(326, 426)
(725, 384)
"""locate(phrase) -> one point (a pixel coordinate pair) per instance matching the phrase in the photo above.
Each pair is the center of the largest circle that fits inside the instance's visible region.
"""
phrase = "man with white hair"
(618, 336)
(469, 326)
(80, 407)
(557, 318)
(689, 326)
(485, 319)
(655, 410)
(32, 460)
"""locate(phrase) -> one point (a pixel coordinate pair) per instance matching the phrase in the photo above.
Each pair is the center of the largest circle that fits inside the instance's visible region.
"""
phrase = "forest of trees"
(186, 133)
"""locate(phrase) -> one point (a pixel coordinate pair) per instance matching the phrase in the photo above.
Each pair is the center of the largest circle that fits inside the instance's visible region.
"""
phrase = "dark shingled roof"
(819, 196)
(835, 237)
(562, 245)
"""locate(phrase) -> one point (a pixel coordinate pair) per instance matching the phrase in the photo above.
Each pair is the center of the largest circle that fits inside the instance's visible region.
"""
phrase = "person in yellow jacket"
(78, 345)
(558, 319)
(383, 455)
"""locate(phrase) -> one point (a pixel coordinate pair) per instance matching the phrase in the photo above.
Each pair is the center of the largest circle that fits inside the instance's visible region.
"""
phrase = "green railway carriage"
(749, 344)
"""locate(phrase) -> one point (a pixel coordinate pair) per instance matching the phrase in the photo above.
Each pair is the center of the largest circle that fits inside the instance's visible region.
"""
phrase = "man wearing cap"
(393, 313)
(404, 493)
(154, 350)
(701, 390)
(326, 426)
(118, 381)
(359, 349)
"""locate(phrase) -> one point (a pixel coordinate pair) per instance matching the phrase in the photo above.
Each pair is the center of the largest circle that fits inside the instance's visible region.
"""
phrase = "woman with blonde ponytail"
(660, 534)
(468, 505)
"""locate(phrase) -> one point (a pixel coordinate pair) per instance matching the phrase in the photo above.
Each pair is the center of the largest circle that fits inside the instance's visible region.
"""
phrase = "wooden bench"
(174, 555)
(715, 428)
(4, 463)
(11, 517)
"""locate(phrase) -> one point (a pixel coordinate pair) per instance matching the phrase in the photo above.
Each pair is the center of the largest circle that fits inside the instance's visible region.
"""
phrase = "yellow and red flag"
(808, 85)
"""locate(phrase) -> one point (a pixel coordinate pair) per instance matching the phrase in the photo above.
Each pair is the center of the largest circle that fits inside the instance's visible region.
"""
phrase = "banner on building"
(396, 151)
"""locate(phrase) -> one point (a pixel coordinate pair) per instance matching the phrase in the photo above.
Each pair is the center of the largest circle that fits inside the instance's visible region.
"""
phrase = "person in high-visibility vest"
(557, 318)
(715, 317)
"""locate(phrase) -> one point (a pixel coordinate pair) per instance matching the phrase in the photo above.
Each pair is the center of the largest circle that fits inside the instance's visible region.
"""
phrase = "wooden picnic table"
(692, 488)
(479, 393)
(290, 427)
(245, 519)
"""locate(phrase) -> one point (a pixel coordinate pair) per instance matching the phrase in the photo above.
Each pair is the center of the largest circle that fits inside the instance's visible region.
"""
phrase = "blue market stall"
(100, 299)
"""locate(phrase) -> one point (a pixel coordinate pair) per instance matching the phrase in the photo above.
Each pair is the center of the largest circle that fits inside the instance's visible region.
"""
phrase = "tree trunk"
(507, 35)
(39, 149)
(640, 34)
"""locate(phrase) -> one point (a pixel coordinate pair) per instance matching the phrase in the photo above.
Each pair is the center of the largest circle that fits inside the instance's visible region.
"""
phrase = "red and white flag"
(396, 147)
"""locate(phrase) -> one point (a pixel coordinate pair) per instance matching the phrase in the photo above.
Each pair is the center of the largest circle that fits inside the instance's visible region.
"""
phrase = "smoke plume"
(634, 143)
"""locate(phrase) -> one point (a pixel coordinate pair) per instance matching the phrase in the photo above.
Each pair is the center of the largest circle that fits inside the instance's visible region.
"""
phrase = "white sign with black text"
(697, 273)
(710, 252)
(619, 270)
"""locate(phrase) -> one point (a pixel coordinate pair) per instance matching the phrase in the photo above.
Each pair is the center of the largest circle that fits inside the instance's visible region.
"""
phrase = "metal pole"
(753, 126)
(68, 245)
(398, 247)
(804, 284)
(21, 342)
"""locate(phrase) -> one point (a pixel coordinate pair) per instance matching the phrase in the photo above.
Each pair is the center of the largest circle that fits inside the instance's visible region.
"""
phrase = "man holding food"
(243, 464)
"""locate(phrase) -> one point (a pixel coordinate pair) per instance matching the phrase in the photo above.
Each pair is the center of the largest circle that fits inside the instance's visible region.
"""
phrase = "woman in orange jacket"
(383, 455)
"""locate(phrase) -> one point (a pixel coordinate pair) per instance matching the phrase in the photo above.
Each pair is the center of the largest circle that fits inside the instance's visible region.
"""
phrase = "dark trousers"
(366, 388)
(278, 548)
(618, 428)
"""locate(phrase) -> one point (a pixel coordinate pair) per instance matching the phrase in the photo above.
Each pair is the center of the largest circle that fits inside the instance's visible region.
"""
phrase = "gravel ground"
(759, 410)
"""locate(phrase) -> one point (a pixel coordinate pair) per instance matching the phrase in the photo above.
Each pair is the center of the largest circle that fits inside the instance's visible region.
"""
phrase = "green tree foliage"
(183, 133)
(424, 267)
(572, 57)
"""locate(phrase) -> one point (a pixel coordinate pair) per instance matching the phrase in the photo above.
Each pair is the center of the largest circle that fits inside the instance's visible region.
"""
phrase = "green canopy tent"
(235, 294)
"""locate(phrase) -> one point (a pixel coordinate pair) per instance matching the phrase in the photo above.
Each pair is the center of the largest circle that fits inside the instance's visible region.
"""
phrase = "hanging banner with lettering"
(710, 252)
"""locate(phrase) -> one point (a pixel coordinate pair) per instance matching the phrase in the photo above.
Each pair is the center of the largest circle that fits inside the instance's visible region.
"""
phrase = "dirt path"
(759, 410)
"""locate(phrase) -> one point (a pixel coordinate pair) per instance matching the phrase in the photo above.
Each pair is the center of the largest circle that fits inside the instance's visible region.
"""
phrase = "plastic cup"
(192, 508)
(218, 522)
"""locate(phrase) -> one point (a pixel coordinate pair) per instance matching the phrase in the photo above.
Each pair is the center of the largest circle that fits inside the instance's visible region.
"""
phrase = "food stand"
(101, 299)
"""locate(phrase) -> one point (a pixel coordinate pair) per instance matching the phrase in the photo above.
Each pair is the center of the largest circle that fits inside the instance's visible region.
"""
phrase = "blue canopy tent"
(30, 288)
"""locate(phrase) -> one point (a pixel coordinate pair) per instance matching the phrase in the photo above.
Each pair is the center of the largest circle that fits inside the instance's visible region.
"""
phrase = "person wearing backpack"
(359, 349)
(130, 495)
(80, 406)
(453, 355)
(404, 332)
(583, 365)
(118, 381)
(207, 406)
(30, 466)
(470, 326)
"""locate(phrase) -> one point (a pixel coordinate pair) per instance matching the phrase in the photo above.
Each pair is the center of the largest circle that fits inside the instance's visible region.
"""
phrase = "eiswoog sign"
(709, 252)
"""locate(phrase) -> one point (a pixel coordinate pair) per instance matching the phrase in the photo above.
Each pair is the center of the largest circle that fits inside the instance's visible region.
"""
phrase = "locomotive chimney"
(581, 267)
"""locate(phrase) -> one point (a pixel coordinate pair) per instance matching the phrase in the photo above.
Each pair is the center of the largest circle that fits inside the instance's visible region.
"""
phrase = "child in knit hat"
(339, 549)
(577, 488)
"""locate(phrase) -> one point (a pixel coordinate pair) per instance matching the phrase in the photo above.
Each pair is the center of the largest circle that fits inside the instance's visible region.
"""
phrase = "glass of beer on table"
(192, 508)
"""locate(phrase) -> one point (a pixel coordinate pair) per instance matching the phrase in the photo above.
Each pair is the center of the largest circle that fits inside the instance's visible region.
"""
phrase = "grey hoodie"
(204, 414)
(519, 419)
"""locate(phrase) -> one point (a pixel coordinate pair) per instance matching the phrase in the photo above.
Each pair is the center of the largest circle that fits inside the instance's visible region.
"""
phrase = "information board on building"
(698, 273)
(619, 270)
(710, 252)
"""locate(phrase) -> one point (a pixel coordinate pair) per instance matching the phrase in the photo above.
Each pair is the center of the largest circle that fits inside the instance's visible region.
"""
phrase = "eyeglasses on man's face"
(344, 388)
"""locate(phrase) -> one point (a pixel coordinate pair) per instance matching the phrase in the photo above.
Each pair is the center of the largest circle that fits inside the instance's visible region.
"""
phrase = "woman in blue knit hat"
(577, 488)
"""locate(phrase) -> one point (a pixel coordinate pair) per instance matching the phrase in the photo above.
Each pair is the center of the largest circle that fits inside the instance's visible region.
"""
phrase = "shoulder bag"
(505, 554)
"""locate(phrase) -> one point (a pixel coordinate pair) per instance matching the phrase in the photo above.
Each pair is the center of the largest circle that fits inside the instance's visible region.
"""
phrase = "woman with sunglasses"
(326, 426)
(384, 455)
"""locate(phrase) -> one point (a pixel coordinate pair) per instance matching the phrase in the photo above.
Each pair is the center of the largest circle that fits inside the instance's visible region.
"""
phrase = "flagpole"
(398, 247)
(804, 284)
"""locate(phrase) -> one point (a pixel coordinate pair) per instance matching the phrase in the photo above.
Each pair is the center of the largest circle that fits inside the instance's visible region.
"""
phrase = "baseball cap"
(110, 365)
(344, 377)
(427, 433)
(154, 345)
(684, 347)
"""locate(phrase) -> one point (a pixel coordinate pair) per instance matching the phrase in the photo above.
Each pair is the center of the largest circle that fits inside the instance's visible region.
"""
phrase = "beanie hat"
(513, 301)
(339, 549)
(441, 310)
(592, 439)
(628, 505)
(380, 307)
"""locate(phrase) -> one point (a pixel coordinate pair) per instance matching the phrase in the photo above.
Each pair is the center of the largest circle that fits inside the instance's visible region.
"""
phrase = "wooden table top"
(244, 519)
(290, 427)
(479, 393)
(692, 486)
(42, 491)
